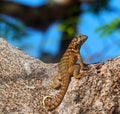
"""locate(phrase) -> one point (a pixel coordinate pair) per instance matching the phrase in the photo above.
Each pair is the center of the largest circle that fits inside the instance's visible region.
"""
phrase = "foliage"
(11, 28)
(107, 29)
(100, 5)
(67, 26)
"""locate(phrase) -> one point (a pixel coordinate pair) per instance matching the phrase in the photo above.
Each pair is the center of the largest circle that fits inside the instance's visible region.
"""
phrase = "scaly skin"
(66, 68)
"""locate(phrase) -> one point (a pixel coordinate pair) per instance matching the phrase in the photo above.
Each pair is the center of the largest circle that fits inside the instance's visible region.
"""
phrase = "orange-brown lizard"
(66, 68)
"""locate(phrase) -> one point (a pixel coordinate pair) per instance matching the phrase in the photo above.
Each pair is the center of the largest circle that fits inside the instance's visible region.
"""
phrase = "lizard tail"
(50, 102)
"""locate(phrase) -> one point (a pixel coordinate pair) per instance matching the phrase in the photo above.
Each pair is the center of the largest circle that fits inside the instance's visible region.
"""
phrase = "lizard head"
(79, 40)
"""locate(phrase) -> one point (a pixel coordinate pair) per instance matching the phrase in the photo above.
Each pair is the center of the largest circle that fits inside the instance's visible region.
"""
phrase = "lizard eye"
(79, 35)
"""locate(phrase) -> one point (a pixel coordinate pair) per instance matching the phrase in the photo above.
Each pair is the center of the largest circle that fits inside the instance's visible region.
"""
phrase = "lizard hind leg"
(57, 83)
(78, 72)
(75, 70)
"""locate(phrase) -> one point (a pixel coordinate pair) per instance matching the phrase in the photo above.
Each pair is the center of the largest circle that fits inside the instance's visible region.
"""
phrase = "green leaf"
(108, 29)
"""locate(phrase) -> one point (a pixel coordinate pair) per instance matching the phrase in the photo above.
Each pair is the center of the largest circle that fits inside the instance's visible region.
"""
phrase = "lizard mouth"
(85, 37)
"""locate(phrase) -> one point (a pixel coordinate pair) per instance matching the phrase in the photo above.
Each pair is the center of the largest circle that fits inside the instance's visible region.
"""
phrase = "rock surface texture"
(24, 81)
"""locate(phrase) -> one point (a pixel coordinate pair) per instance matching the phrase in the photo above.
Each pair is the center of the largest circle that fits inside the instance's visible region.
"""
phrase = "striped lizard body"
(66, 68)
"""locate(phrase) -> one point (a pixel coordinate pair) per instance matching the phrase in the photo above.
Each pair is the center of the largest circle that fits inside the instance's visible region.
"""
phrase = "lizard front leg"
(82, 65)
(80, 61)
(75, 70)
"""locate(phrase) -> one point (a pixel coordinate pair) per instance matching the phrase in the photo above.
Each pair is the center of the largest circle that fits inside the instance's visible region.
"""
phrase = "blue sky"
(33, 3)
(88, 24)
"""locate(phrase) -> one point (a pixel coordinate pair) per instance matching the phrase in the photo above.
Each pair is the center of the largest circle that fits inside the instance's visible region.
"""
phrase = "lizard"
(66, 68)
